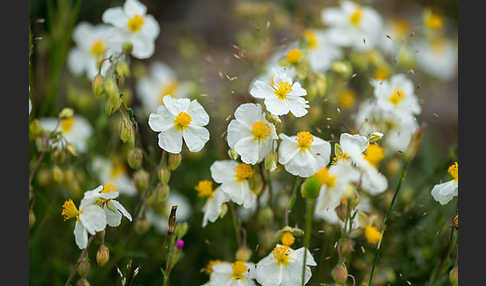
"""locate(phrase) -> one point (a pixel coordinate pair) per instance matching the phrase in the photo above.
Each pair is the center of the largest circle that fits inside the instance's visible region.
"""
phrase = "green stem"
(308, 229)
(444, 258)
(236, 225)
(293, 197)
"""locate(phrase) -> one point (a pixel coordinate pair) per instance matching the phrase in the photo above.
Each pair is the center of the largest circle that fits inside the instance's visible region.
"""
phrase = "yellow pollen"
(372, 234)
(344, 200)
(346, 99)
(382, 73)
(311, 38)
(135, 23)
(396, 97)
(69, 210)
(118, 169)
(294, 56)
(401, 28)
(182, 121)
(205, 189)
(374, 154)
(67, 124)
(344, 156)
(108, 188)
(287, 238)
(283, 89)
(239, 268)
(304, 140)
(260, 131)
(98, 48)
(454, 171)
(281, 254)
(167, 89)
(325, 178)
(355, 17)
(243, 172)
(209, 267)
(433, 21)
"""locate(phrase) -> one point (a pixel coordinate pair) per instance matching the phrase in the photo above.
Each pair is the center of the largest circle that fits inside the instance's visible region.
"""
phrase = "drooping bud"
(71, 149)
(66, 113)
(127, 133)
(340, 274)
(243, 254)
(35, 129)
(181, 229)
(174, 161)
(134, 158)
(110, 88)
(265, 216)
(82, 282)
(342, 211)
(97, 85)
(346, 246)
(343, 68)
(103, 255)
(113, 103)
(164, 176)
(454, 276)
(83, 267)
(31, 218)
(224, 210)
(141, 226)
(141, 180)
(43, 177)
(311, 187)
(122, 69)
(57, 174)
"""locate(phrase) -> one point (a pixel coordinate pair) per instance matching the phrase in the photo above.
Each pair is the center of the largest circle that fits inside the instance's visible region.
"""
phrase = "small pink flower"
(180, 244)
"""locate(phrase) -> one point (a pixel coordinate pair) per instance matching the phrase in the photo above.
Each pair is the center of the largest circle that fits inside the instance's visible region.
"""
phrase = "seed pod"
(164, 176)
(97, 85)
(243, 254)
(135, 158)
(174, 161)
(57, 174)
(83, 267)
(103, 255)
(311, 187)
(340, 274)
(82, 282)
(141, 180)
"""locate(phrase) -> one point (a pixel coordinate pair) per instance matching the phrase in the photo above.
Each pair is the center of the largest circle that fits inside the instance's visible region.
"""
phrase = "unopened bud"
(454, 276)
(351, 196)
(232, 154)
(174, 161)
(127, 47)
(57, 174)
(340, 274)
(31, 218)
(375, 137)
(103, 255)
(71, 149)
(68, 176)
(141, 226)
(181, 229)
(271, 161)
(265, 216)
(455, 222)
(135, 158)
(346, 246)
(343, 68)
(113, 103)
(122, 69)
(83, 267)
(243, 254)
(164, 176)
(110, 88)
(224, 210)
(342, 211)
(127, 96)
(159, 195)
(127, 133)
(35, 129)
(43, 177)
(97, 85)
(141, 180)
(311, 187)
(82, 282)
(66, 113)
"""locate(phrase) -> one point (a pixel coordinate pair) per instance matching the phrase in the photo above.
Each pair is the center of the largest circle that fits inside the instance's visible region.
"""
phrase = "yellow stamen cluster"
(372, 234)
(261, 131)
(304, 140)
(182, 121)
(311, 38)
(283, 89)
(433, 21)
(135, 23)
(401, 28)
(346, 99)
(344, 156)
(108, 188)
(325, 178)
(397, 97)
(294, 56)
(167, 89)
(98, 48)
(209, 268)
(239, 268)
(281, 254)
(374, 154)
(118, 169)
(69, 210)
(454, 171)
(355, 17)
(287, 238)
(205, 189)
(67, 124)
(382, 73)
(243, 172)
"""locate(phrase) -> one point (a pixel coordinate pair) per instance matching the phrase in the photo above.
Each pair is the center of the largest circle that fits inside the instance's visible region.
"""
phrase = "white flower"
(159, 218)
(114, 171)
(238, 273)
(215, 199)
(283, 267)
(303, 155)
(437, 56)
(177, 119)
(395, 36)
(104, 196)
(134, 26)
(281, 95)
(445, 192)
(321, 52)
(76, 130)
(161, 82)
(330, 215)
(354, 26)
(92, 45)
(396, 94)
(233, 177)
(250, 134)
(30, 106)
(89, 219)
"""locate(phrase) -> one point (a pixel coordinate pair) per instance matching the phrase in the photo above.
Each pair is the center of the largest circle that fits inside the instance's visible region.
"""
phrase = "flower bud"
(68, 176)
(113, 103)
(232, 154)
(346, 246)
(35, 129)
(342, 211)
(174, 161)
(97, 85)
(141, 180)
(82, 282)
(43, 177)
(164, 176)
(343, 68)
(31, 218)
(127, 133)
(122, 69)
(311, 187)
(265, 216)
(455, 222)
(66, 113)
(127, 47)
(339, 273)
(141, 226)
(83, 267)
(160, 194)
(57, 174)
(103, 255)
(271, 161)
(351, 196)
(71, 149)
(375, 137)
(181, 229)
(224, 210)
(110, 88)
(134, 158)
(243, 254)
(454, 276)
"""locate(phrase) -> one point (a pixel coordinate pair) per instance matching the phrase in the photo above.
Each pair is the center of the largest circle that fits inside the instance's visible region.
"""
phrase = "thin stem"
(293, 197)
(308, 228)
(236, 226)
(80, 259)
(444, 257)
(168, 266)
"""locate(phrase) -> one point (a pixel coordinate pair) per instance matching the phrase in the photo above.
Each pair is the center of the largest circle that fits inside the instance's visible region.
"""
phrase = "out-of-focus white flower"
(30, 106)
(283, 267)
(396, 94)
(395, 35)
(133, 25)
(159, 218)
(238, 273)
(437, 56)
(281, 94)
(159, 83)
(233, 177)
(353, 25)
(303, 155)
(215, 200)
(92, 45)
(321, 52)
(250, 134)
(177, 119)
(89, 219)
(76, 130)
(330, 215)
(104, 196)
(445, 192)
(115, 172)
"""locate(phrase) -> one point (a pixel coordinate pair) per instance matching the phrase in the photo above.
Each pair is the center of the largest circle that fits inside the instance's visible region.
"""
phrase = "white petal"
(237, 131)
(93, 218)
(298, 106)
(445, 192)
(354, 145)
(249, 113)
(80, 235)
(261, 89)
(122, 209)
(176, 105)
(113, 217)
(116, 17)
(143, 47)
(195, 137)
(162, 120)
(287, 149)
(133, 7)
(223, 171)
(277, 106)
(171, 140)
(248, 149)
(199, 116)
(151, 28)
(76, 61)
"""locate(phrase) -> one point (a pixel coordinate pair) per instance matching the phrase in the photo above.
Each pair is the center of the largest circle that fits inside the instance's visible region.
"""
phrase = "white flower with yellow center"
(282, 95)
(114, 171)
(104, 196)
(395, 35)
(437, 56)
(233, 177)
(76, 130)
(283, 267)
(330, 215)
(303, 155)
(89, 219)
(321, 52)
(215, 198)
(250, 134)
(133, 25)
(177, 119)
(238, 273)
(91, 47)
(353, 25)
(445, 192)
(159, 83)
(159, 217)
(396, 94)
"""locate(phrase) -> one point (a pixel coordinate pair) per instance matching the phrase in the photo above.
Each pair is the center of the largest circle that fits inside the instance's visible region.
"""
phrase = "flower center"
(108, 188)
(374, 154)
(209, 267)
(311, 38)
(281, 254)
(283, 89)
(396, 97)
(98, 48)
(67, 124)
(117, 170)
(346, 99)
(205, 189)
(355, 17)
(260, 131)
(243, 172)
(454, 171)
(287, 238)
(401, 28)
(433, 21)
(325, 178)
(372, 234)
(135, 23)
(304, 140)
(382, 73)
(167, 89)
(69, 210)
(343, 156)
(182, 121)
(239, 268)
(294, 56)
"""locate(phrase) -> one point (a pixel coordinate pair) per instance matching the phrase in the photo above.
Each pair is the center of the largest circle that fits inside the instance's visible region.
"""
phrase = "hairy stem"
(80, 259)
(308, 228)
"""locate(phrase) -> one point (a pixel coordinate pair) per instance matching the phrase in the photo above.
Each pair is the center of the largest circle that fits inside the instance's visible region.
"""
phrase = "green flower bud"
(103, 255)
(57, 174)
(113, 103)
(134, 158)
(340, 274)
(82, 282)
(31, 218)
(35, 129)
(141, 180)
(224, 210)
(141, 226)
(71, 149)
(454, 276)
(271, 161)
(343, 68)
(311, 187)
(66, 113)
(243, 254)
(265, 216)
(43, 177)
(127, 132)
(110, 88)
(174, 161)
(164, 176)
(159, 195)
(84, 266)
(181, 229)
(97, 85)
(232, 154)
(122, 69)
